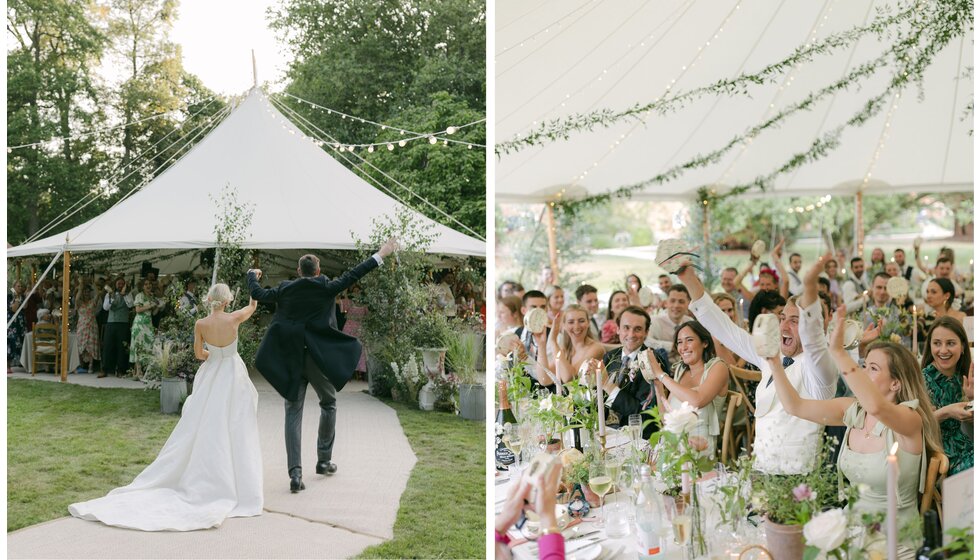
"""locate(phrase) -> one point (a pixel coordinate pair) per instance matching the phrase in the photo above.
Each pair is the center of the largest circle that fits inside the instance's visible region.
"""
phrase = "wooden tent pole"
(859, 223)
(65, 287)
(552, 240)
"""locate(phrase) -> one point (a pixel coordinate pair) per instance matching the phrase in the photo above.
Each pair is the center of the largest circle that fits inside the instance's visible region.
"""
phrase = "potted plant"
(788, 502)
(461, 352)
(172, 388)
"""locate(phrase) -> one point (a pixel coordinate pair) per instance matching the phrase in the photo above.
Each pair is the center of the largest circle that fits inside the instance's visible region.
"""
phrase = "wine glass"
(514, 440)
(600, 482)
(614, 466)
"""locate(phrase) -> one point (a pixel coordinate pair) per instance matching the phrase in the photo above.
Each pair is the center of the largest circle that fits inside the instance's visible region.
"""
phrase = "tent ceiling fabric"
(609, 55)
(302, 197)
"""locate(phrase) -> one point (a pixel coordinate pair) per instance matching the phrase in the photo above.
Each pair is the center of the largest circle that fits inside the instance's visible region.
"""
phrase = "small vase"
(785, 541)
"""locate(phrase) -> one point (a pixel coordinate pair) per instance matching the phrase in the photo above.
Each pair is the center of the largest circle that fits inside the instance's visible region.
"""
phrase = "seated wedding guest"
(766, 301)
(890, 405)
(627, 391)
(588, 297)
(519, 289)
(892, 269)
(533, 299)
(509, 317)
(609, 332)
(945, 264)
(665, 325)
(882, 307)
(736, 286)
(877, 262)
(783, 444)
(946, 367)
(556, 301)
(537, 492)
(904, 269)
(793, 275)
(728, 306)
(632, 286)
(704, 389)
(506, 289)
(939, 297)
(573, 348)
(528, 350)
(943, 271)
(854, 287)
(832, 272)
(547, 278)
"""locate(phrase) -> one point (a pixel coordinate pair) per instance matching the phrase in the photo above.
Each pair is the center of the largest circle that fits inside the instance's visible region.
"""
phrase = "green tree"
(418, 66)
(51, 92)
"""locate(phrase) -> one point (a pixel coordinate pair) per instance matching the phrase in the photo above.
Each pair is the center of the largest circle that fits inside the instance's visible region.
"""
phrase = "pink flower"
(803, 492)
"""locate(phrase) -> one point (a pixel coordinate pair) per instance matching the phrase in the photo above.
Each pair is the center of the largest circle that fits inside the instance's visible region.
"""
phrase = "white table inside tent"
(27, 356)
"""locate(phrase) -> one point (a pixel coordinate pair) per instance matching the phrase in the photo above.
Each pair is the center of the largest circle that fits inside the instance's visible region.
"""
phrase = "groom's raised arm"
(348, 278)
(259, 293)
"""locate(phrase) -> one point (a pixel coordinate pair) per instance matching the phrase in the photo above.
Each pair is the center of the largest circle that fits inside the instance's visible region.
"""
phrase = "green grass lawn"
(57, 455)
(443, 510)
(57, 451)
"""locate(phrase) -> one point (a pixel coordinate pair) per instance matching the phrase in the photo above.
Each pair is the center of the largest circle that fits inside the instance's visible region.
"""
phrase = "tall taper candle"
(600, 405)
(915, 332)
(891, 521)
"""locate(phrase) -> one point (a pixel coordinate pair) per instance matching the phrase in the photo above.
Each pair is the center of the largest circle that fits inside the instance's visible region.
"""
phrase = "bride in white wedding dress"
(211, 467)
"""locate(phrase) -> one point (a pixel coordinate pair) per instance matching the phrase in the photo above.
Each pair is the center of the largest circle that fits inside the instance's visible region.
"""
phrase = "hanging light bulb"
(401, 143)
(451, 130)
(370, 149)
(432, 140)
(390, 147)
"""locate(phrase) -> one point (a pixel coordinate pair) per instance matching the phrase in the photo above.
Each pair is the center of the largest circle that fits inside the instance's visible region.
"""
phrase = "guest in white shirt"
(854, 289)
(795, 282)
(783, 444)
(588, 297)
(663, 325)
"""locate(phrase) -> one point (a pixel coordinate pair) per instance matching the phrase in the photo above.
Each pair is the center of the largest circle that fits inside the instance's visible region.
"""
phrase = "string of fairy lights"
(431, 137)
(643, 120)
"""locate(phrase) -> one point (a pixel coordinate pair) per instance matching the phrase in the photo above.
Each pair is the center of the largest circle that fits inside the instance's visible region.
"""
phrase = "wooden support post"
(552, 239)
(859, 224)
(65, 288)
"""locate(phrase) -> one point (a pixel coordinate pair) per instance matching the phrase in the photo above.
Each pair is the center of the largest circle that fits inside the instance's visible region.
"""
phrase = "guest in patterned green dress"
(141, 341)
(949, 378)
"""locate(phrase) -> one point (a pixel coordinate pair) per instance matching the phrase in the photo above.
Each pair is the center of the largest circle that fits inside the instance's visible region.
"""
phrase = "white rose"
(545, 403)
(827, 530)
(681, 420)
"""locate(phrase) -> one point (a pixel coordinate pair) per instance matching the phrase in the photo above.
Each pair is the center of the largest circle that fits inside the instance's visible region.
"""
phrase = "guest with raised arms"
(704, 389)
(534, 345)
(890, 404)
(609, 333)
(948, 371)
(573, 343)
(628, 392)
(783, 444)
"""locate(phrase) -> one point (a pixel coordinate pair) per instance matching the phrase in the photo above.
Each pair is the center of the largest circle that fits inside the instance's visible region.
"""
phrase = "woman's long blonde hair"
(565, 341)
(903, 368)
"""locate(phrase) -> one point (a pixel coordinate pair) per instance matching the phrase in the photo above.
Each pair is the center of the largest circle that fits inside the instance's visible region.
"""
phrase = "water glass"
(617, 519)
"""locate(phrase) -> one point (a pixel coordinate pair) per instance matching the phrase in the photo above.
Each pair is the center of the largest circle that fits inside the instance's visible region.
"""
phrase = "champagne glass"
(514, 441)
(600, 482)
(614, 466)
(635, 429)
(679, 514)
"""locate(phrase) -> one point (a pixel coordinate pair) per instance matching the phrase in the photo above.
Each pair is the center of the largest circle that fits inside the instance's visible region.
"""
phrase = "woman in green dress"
(141, 341)
(891, 405)
(949, 379)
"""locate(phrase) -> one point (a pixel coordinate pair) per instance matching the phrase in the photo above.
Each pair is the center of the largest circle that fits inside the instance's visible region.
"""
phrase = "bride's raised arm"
(244, 313)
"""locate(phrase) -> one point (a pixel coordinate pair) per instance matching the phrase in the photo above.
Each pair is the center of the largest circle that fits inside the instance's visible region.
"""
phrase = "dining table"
(27, 356)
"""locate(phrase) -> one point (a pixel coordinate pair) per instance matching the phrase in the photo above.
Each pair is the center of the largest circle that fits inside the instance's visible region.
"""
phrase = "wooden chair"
(935, 474)
(46, 347)
(739, 377)
(727, 441)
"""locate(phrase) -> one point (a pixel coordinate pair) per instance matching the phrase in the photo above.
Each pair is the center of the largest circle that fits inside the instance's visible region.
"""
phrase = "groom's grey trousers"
(294, 417)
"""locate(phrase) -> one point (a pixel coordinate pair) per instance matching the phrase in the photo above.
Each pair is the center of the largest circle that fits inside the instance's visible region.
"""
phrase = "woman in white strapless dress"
(211, 466)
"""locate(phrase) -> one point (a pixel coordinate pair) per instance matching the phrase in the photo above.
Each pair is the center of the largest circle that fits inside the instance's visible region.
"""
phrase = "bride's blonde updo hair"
(218, 295)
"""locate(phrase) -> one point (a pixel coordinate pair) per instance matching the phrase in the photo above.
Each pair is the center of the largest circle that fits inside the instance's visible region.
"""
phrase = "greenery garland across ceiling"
(920, 29)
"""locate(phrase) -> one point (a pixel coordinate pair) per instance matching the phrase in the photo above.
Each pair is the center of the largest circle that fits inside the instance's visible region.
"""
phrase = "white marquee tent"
(301, 197)
(555, 59)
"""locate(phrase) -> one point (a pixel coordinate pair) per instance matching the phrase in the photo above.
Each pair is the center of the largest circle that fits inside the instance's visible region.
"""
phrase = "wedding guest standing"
(17, 329)
(141, 342)
(87, 328)
(356, 311)
(117, 302)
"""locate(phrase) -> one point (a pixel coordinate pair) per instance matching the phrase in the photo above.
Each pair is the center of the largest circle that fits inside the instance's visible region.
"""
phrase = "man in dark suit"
(626, 389)
(303, 345)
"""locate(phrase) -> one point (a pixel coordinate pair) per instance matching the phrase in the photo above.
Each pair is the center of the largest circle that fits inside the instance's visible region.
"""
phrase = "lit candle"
(686, 479)
(599, 402)
(557, 375)
(915, 332)
(891, 522)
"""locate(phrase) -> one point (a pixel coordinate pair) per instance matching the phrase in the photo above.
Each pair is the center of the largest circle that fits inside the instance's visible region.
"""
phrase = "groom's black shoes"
(326, 467)
(296, 483)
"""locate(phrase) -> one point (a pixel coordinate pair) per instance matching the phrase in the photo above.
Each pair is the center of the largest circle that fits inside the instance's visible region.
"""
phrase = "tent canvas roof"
(586, 55)
(301, 197)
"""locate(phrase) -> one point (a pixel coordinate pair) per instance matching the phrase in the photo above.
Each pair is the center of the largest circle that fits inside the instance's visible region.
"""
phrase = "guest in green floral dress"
(141, 341)
(949, 379)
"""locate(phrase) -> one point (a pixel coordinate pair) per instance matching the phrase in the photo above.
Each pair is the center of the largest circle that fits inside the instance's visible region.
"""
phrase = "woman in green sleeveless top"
(700, 379)
(891, 405)
(949, 379)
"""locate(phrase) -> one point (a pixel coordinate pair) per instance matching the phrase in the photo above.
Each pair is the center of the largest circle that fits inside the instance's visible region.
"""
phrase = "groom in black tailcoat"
(303, 345)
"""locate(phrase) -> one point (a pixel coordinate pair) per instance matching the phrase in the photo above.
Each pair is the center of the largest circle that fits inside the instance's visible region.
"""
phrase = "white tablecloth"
(27, 356)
